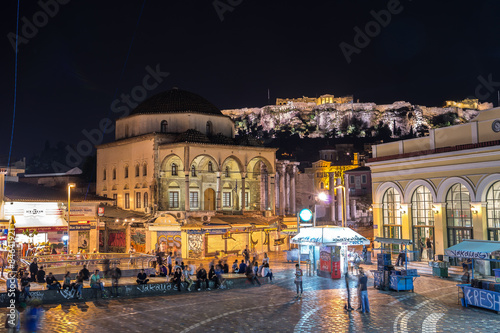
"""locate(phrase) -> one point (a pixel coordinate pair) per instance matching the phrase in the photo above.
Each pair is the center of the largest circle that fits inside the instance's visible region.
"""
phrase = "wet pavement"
(433, 307)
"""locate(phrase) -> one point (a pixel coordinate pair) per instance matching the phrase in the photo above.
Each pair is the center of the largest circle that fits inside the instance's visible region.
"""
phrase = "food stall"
(328, 245)
(386, 277)
(480, 292)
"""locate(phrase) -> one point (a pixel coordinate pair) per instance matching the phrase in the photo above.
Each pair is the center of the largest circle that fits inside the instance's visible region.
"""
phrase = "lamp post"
(70, 185)
(322, 196)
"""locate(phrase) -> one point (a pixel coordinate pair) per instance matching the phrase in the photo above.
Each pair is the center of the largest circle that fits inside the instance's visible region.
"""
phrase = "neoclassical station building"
(444, 187)
(176, 158)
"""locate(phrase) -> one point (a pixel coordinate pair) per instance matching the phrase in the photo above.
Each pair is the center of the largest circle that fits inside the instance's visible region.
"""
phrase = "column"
(186, 174)
(405, 221)
(282, 189)
(271, 197)
(276, 196)
(333, 216)
(440, 232)
(243, 194)
(127, 238)
(340, 201)
(287, 190)
(353, 210)
(186, 192)
(347, 201)
(293, 208)
(218, 194)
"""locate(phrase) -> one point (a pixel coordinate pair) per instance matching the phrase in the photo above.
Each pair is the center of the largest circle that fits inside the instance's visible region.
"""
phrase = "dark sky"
(68, 72)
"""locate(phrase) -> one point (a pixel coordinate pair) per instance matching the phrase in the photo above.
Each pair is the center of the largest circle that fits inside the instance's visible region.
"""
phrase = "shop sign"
(41, 229)
(34, 212)
(195, 232)
(467, 254)
(482, 298)
(82, 211)
(79, 227)
(100, 211)
(215, 231)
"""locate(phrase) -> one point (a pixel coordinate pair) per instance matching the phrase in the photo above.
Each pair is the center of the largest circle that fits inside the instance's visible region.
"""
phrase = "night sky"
(69, 70)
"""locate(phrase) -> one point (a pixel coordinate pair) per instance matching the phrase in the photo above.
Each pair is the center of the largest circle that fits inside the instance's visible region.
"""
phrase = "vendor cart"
(386, 277)
(479, 293)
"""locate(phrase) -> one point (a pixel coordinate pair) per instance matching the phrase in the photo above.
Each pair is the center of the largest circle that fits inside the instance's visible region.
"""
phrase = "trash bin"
(441, 272)
(439, 268)
(497, 274)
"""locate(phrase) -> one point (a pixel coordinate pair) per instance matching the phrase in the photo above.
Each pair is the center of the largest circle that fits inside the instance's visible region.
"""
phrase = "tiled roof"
(176, 101)
(15, 191)
(192, 135)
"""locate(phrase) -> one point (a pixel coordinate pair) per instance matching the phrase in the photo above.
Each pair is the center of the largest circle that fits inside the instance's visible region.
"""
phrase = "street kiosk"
(480, 293)
(329, 245)
(386, 277)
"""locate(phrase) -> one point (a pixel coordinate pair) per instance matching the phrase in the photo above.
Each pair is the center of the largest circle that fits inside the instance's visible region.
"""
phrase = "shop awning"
(474, 249)
(41, 224)
(329, 236)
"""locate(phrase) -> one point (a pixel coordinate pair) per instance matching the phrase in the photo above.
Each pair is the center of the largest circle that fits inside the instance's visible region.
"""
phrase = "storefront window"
(493, 211)
(458, 215)
(458, 212)
(391, 203)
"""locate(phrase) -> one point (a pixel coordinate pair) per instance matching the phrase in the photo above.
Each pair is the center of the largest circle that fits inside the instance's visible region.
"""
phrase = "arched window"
(493, 211)
(137, 170)
(193, 171)
(126, 172)
(145, 170)
(226, 172)
(174, 169)
(458, 214)
(422, 216)
(209, 128)
(104, 174)
(164, 126)
(146, 200)
(210, 167)
(114, 173)
(391, 204)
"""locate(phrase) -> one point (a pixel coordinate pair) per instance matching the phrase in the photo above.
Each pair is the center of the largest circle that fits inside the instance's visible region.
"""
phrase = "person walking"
(298, 280)
(362, 287)
(33, 270)
(348, 306)
(429, 248)
(116, 274)
(422, 246)
(34, 316)
(169, 263)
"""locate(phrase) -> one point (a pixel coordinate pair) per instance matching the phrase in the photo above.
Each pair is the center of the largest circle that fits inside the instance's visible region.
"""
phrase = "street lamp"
(322, 196)
(70, 185)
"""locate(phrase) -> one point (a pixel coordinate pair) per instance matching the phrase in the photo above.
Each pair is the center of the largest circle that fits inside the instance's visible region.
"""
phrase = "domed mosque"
(176, 158)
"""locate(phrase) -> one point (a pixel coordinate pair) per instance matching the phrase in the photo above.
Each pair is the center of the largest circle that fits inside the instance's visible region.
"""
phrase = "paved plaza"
(433, 307)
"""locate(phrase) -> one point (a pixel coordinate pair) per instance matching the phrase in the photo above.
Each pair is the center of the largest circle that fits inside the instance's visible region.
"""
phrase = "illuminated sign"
(305, 215)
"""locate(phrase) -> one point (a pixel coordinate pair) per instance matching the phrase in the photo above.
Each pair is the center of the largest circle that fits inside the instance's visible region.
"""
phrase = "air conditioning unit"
(205, 218)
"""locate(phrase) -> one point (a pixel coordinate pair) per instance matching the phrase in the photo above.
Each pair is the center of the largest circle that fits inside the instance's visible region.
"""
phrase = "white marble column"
(282, 172)
(243, 193)
(293, 208)
(218, 193)
(287, 190)
(339, 200)
(271, 197)
(333, 216)
(186, 192)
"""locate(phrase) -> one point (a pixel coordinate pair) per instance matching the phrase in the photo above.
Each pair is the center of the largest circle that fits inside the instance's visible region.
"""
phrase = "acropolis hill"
(312, 118)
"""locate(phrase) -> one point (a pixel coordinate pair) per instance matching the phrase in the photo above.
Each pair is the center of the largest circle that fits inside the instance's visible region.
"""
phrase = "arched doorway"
(209, 199)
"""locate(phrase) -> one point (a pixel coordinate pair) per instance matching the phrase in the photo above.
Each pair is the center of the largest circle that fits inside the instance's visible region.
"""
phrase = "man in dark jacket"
(85, 272)
(40, 275)
(201, 275)
(243, 268)
(33, 270)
